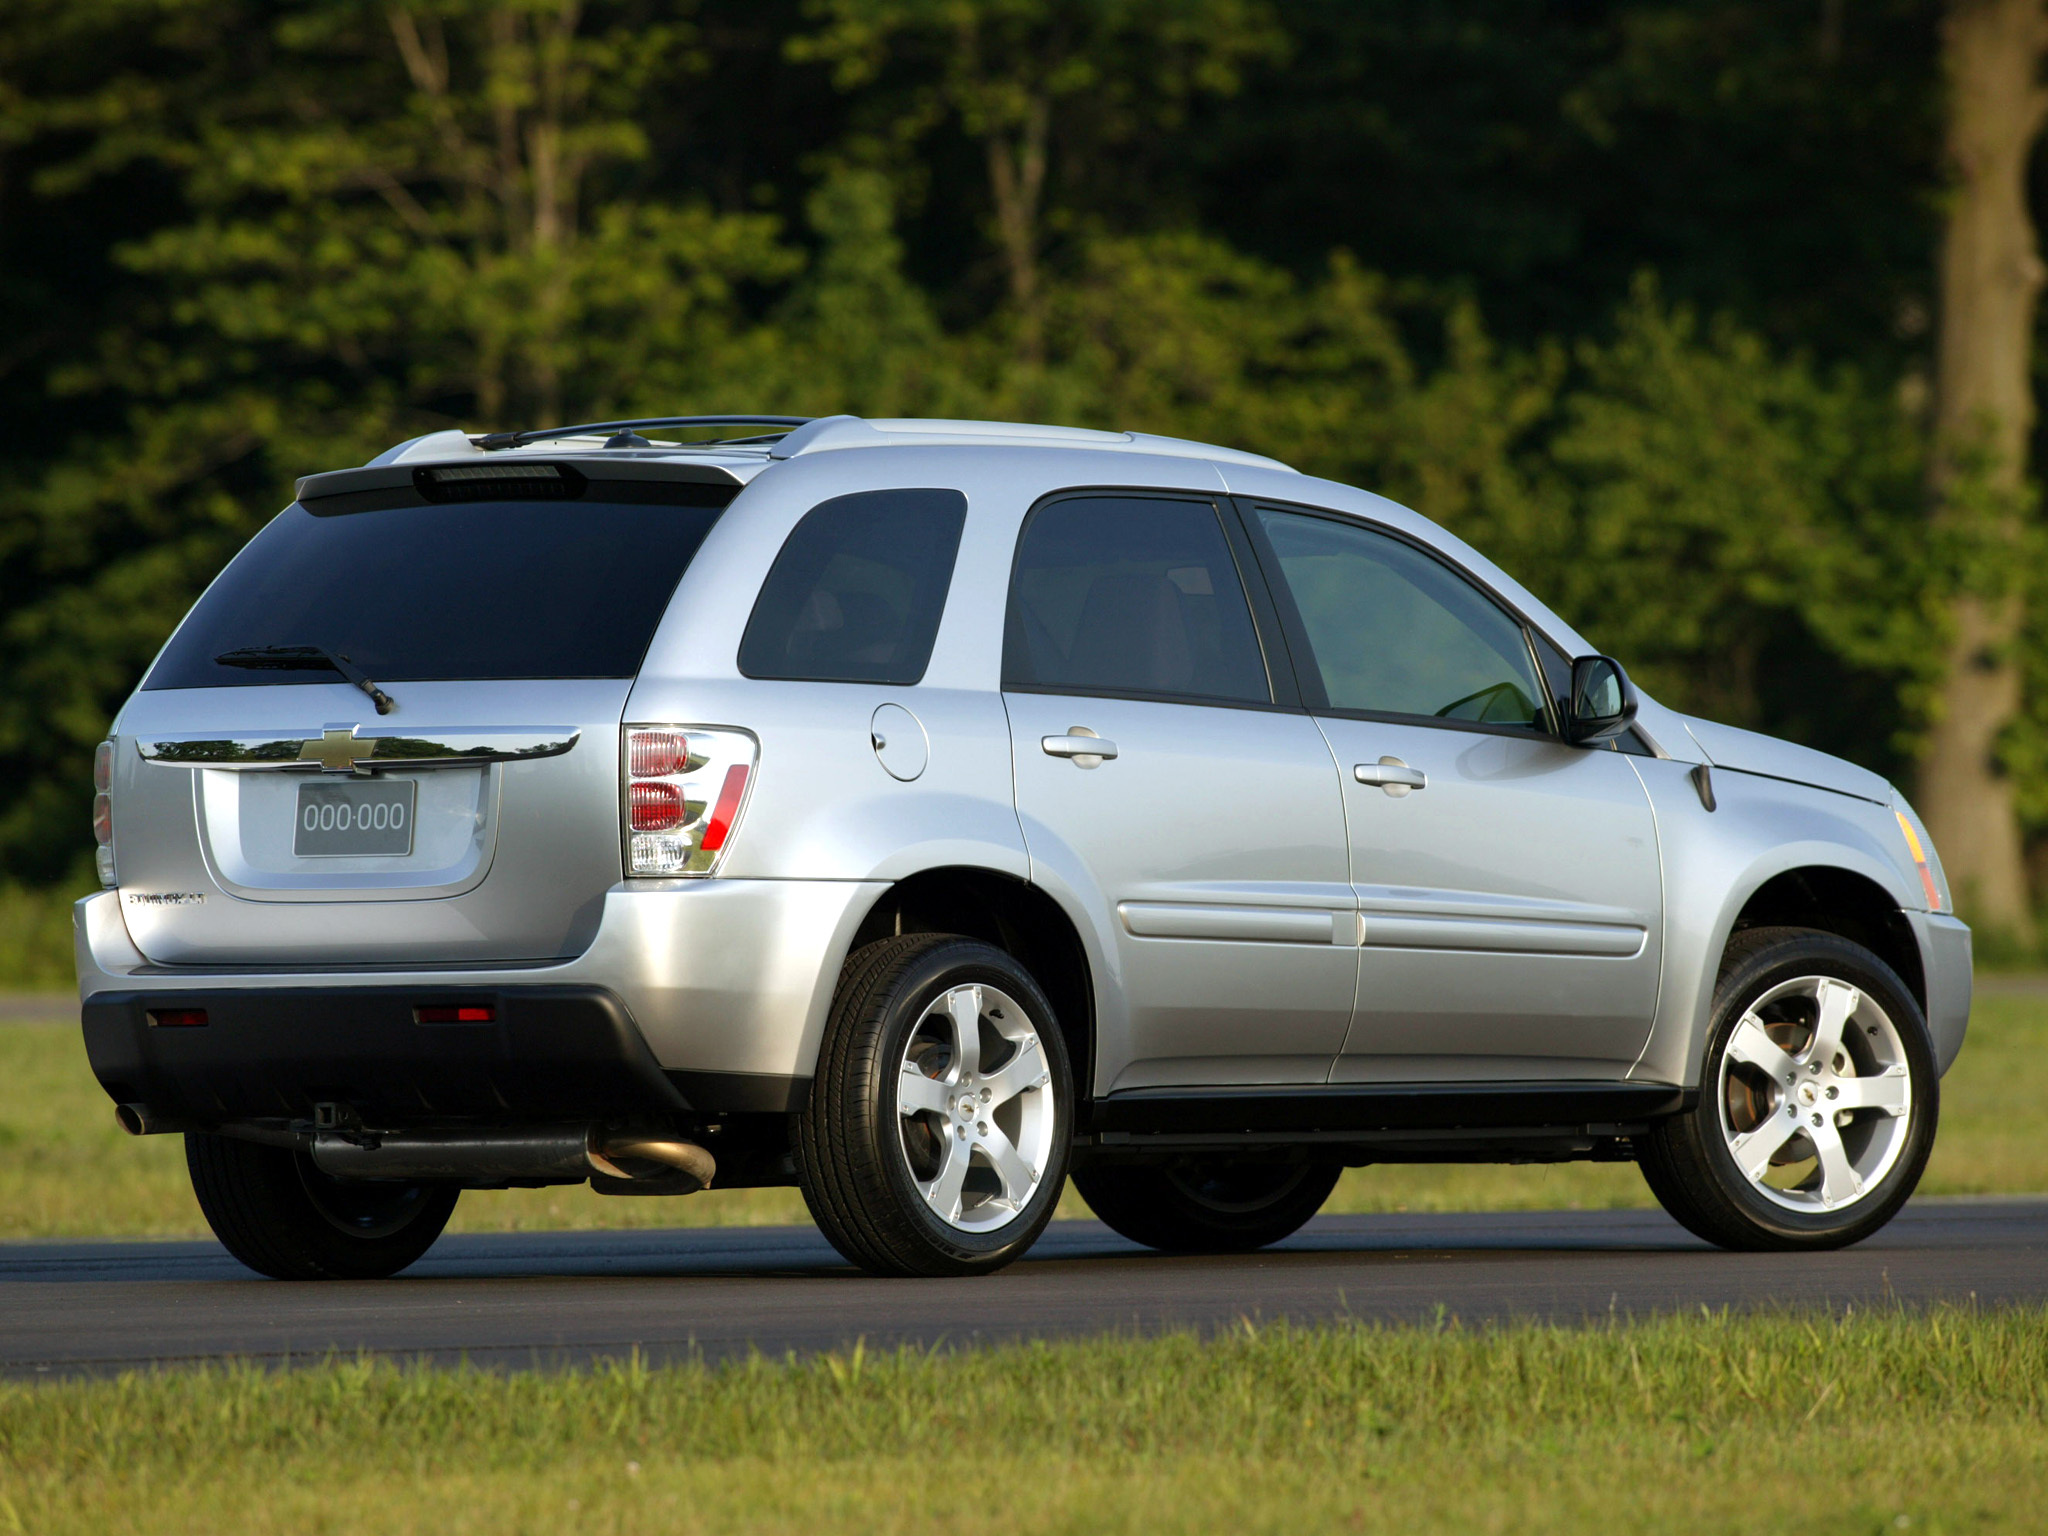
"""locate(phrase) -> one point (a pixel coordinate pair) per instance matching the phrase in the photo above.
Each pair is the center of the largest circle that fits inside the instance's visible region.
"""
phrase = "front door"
(1204, 840)
(1508, 883)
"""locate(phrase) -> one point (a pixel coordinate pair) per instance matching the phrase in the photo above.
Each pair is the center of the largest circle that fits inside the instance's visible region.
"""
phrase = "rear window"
(457, 591)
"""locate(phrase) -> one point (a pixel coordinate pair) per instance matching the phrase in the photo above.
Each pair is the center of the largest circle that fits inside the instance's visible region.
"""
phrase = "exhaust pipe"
(141, 1120)
(648, 1165)
(561, 1155)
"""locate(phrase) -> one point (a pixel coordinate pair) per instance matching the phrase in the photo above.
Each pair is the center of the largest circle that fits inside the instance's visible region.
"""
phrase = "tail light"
(103, 811)
(685, 788)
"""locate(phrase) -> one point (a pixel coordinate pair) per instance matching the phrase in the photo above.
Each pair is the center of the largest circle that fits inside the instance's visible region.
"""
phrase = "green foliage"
(318, 226)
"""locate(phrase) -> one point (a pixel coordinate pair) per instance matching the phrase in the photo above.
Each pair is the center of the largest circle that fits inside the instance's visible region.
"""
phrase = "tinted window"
(481, 589)
(856, 593)
(1395, 631)
(1131, 595)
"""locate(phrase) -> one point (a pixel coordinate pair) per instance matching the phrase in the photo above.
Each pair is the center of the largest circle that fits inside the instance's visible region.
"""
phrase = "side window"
(1397, 632)
(1131, 595)
(856, 593)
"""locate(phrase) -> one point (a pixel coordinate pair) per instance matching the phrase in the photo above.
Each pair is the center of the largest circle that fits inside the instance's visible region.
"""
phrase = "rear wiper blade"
(306, 658)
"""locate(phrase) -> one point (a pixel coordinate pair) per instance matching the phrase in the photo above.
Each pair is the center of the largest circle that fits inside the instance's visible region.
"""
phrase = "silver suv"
(921, 811)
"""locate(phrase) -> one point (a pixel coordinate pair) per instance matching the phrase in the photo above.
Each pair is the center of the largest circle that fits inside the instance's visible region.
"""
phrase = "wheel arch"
(1015, 916)
(1842, 902)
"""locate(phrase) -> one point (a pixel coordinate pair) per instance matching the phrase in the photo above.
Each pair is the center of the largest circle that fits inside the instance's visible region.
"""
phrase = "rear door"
(1509, 886)
(266, 812)
(1205, 837)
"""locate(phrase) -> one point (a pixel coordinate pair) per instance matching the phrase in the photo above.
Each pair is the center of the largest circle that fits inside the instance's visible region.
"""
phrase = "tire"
(904, 1172)
(1730, 1170)
(1207, 1206)
(281, 1216)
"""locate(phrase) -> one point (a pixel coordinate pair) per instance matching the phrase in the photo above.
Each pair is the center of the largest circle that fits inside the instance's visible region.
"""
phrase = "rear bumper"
(725, 984)
(272, 1054)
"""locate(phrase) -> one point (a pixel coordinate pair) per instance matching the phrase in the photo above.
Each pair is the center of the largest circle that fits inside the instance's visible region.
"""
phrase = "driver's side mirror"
(1603, 701)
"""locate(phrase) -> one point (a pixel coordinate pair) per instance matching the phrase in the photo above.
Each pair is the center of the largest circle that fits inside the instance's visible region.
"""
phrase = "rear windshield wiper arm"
(306, 658)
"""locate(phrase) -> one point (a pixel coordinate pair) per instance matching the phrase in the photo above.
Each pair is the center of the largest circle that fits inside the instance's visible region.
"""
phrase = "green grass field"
(1933, 1422)
(66, 1170)
(1866, 1424)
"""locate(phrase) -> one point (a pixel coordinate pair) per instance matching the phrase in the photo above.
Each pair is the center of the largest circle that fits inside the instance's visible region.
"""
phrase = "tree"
(386, 217)
(1990, 281)
(1003, 69)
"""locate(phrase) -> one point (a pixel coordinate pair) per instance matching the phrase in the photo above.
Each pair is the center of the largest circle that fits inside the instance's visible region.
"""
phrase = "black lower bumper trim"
(273, 1053)
(742, 1093)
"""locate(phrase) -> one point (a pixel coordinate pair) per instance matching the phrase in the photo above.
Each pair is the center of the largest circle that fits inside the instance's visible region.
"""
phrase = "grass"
(35, 937)
(67, 1171)
(1869, 1423)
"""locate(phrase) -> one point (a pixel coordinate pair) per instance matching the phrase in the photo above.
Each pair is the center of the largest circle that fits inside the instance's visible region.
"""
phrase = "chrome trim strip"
(339, 749)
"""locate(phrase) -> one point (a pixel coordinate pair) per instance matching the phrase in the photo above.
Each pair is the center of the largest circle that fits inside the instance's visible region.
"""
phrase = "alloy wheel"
(1816, 1094)
(975, 1110)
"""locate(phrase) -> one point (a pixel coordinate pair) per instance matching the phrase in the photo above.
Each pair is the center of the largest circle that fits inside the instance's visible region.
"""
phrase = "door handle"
(1392, 775)
(1080, 745)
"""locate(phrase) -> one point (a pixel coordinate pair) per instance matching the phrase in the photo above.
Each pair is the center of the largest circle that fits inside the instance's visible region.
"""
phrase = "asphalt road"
(565, 1299)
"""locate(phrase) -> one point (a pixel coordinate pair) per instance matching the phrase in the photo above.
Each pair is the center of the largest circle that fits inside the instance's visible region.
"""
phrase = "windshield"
(428, 593)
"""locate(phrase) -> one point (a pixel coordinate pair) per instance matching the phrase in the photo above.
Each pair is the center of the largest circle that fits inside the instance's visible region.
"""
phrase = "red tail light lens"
(657, 754)
(178, 1018)
(656, 807)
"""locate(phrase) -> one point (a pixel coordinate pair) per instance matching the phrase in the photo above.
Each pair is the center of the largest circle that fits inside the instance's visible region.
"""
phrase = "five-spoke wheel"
(1815, 1093)
(975, 1099)
(1817, 1106)
(935, 1138)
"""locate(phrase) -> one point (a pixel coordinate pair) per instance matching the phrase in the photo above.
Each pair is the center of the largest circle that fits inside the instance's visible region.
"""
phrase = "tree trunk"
(1990, 279)
(1016, 177)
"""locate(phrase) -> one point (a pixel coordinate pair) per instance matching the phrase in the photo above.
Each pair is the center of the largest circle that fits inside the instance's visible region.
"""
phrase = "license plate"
(368, 818)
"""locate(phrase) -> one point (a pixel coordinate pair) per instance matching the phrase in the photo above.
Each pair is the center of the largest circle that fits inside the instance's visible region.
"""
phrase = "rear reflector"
(728, 807)
(178, 1018)
(454, 1013)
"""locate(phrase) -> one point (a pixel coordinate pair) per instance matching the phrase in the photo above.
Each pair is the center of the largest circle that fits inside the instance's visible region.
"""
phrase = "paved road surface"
(556, 1299)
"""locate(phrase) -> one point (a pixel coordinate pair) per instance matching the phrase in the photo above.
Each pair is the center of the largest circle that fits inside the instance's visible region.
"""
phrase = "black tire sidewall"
(257, 1200)
(1817, 954)
(959, 963)
(1157, 1206)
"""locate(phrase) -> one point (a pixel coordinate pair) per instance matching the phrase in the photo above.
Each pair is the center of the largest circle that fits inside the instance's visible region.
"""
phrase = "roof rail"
(492, 441)
(829, 432)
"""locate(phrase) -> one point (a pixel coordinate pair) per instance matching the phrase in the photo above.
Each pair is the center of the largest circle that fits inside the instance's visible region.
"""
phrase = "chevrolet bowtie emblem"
(336, 750)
